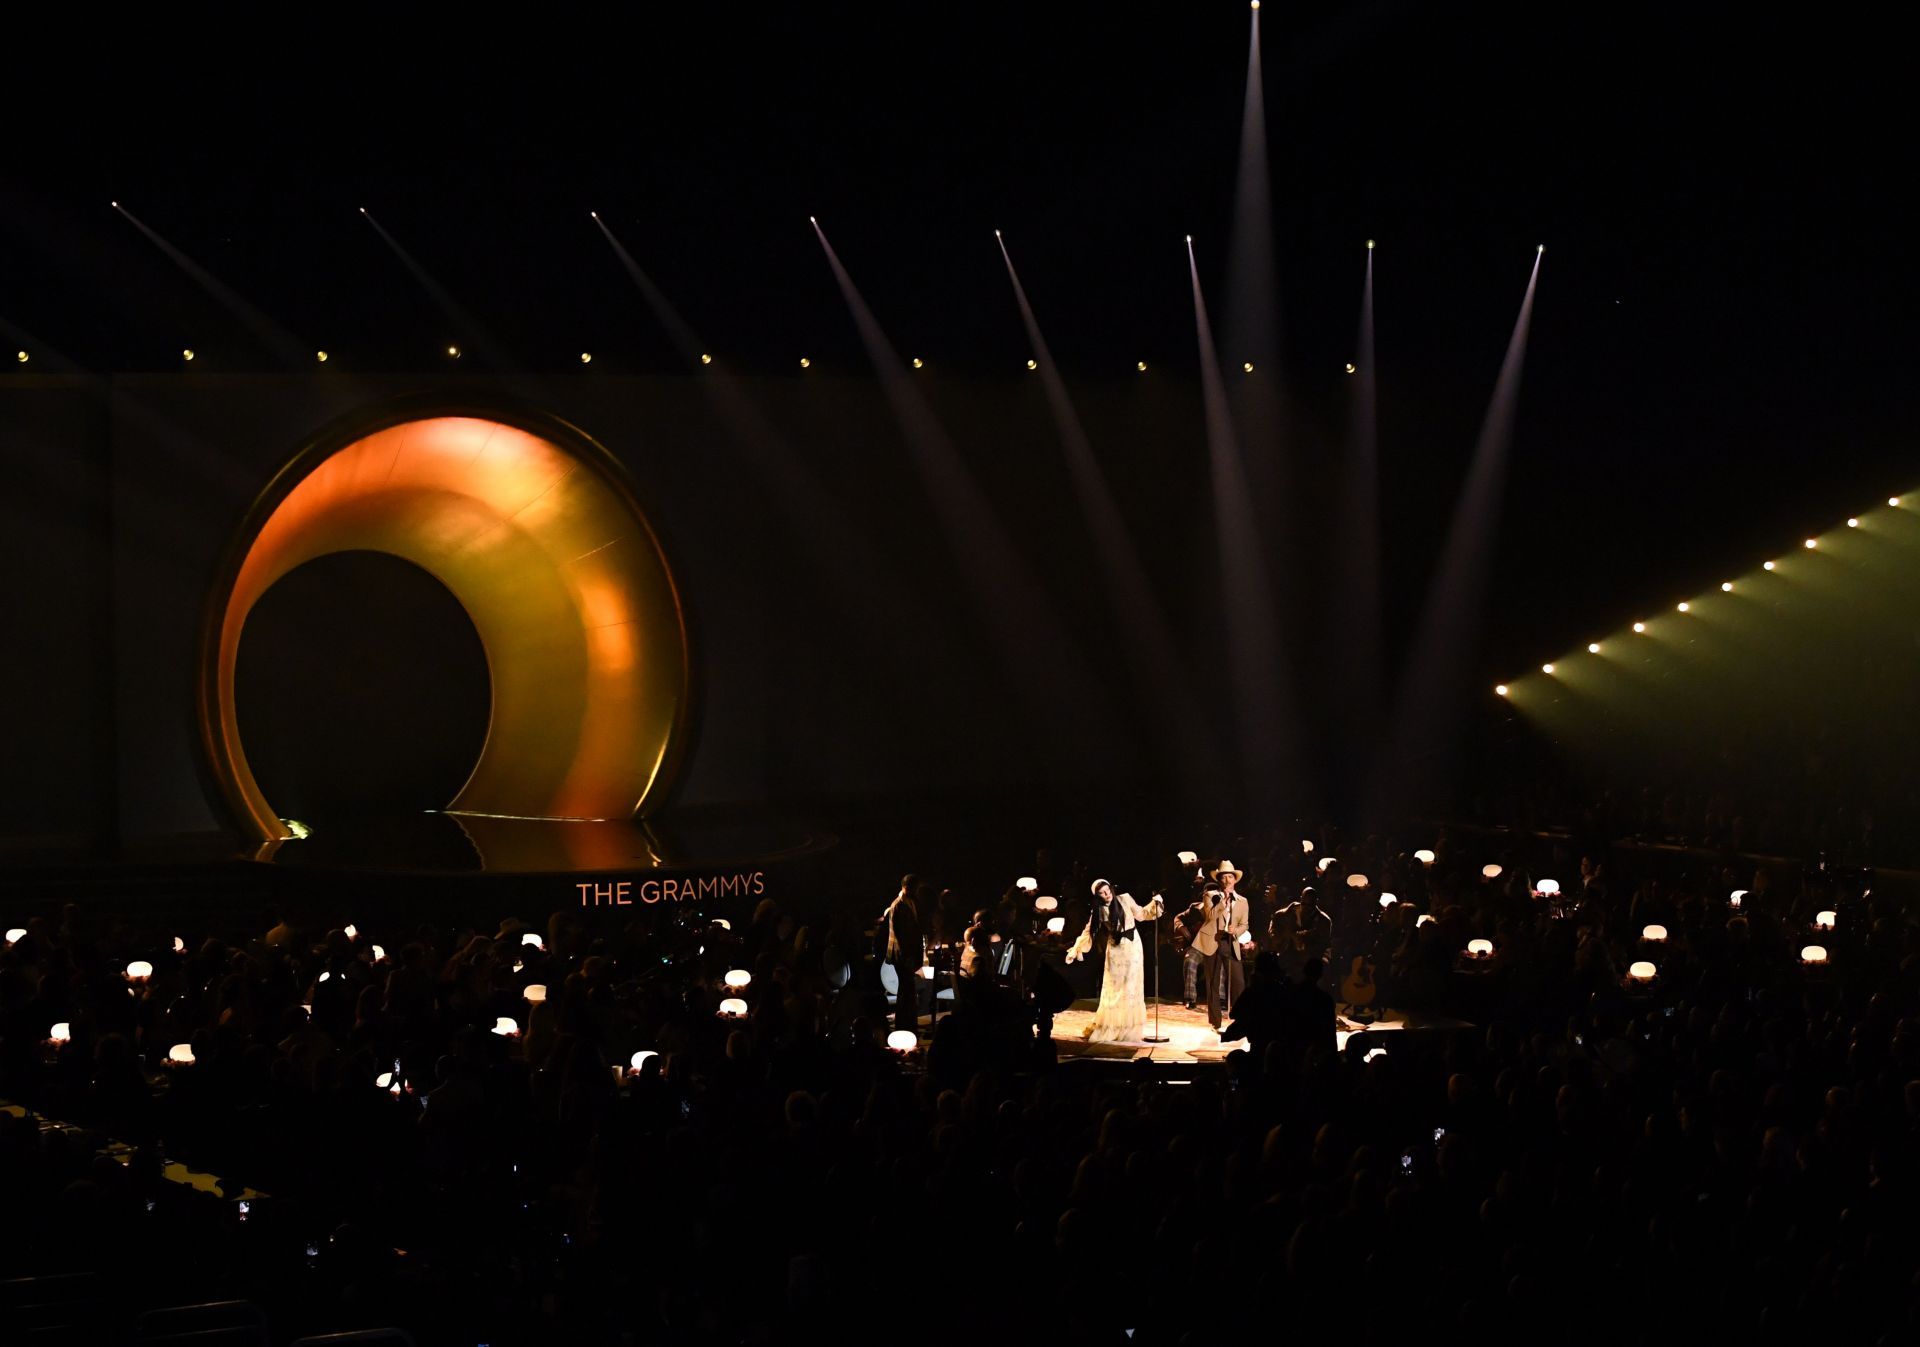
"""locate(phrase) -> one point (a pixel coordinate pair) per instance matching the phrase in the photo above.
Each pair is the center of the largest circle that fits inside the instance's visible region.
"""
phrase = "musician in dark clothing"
(1261, 1012)
(1313, 1015)
(905, 952)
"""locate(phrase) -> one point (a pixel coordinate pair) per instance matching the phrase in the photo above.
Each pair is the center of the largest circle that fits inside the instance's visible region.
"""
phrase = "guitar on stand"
(1358, 989)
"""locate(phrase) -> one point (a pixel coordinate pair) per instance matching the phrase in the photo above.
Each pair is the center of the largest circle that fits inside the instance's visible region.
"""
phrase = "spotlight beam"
(471, 333)
(1434, 687)
(1257, 670)
(276, 338)
(1061, 692)
(1360, 600)
(1149, 642)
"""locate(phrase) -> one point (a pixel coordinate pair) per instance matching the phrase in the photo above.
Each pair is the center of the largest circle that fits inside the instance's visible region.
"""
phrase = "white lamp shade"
(1026, 884)
(723, 923)
(139, 970)
(639, 1059)
(1655, 934)
(1306, 847)
(353, 932)
(1826, 921)
(1733, 900)
(324, 976)
(181, 1053)
(379, 954)
(1056, 925)
(1422, 919)
(533, 938)
(179, 945)
(384, 1079)
(1358, 881)
(1641, 971)
(1547, 886)
(535, 992)
(926, 971)
(739, 979)
(1373, 1053)
(1424, 856)
(903, 1040)
(1387, 900)
(1340, 1037)
(61, 1032)
(1322, 864)
(1490, 871)
(1814, 954)
(1046, 904)
(733, 1008)
(1480, 949)
(17, 934)
(506, 1026)
(1187, 857)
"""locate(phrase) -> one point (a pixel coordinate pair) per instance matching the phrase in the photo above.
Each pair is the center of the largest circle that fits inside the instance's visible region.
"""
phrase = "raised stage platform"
(1192, 1041)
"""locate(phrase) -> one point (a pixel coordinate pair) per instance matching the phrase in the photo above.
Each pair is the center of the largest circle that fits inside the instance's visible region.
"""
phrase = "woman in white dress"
(1122, 1016)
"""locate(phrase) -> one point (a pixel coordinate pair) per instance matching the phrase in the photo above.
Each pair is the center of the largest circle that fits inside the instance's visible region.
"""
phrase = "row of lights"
(1726, 587)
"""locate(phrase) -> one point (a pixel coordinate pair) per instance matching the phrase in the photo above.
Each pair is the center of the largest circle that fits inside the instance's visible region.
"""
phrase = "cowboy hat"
(1226, 868)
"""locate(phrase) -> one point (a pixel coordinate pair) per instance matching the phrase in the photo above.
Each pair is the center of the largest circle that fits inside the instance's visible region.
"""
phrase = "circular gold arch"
(534, 528)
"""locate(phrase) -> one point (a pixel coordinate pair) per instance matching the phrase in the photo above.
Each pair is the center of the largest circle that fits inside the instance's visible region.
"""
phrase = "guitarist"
(1301, 931)
(1185, 927)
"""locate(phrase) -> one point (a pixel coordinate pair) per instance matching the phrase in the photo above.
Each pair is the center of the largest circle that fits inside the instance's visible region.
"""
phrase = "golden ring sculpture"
(535, 529)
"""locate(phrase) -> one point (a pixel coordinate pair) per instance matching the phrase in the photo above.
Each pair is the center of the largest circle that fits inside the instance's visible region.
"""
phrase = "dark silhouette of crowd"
(1553, 1149)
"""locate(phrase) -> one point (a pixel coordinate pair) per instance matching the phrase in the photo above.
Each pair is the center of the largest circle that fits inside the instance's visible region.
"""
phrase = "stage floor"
(1191, 1040)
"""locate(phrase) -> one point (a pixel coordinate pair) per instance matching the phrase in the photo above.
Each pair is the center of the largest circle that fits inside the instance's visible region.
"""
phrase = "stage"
(1192, 1041)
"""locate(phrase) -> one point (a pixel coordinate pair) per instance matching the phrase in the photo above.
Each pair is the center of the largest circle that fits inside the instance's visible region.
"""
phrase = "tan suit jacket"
(1213, 913)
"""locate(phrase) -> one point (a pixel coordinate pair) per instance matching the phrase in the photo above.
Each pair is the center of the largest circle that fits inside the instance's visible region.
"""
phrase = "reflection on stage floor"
(1190, 1039)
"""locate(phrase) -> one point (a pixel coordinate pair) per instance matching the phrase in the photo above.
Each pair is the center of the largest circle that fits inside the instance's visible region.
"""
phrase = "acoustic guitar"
(1358, 987)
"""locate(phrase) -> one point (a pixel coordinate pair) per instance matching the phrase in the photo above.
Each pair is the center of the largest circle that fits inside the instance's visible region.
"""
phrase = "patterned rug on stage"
(1191, 1039)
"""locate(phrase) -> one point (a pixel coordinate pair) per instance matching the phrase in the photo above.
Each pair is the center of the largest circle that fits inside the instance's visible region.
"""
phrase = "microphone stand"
(1156, 1036)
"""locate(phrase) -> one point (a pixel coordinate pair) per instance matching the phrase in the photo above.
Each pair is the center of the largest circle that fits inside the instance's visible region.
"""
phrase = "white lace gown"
(1122, 1016)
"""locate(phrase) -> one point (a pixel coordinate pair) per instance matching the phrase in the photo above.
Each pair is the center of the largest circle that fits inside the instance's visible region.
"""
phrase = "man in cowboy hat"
(1223, 921)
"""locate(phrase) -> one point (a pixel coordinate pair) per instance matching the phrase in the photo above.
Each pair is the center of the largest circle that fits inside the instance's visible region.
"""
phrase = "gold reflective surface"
(549, 554)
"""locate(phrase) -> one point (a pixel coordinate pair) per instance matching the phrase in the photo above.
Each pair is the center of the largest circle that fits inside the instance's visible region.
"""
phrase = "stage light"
(61, 1032)
(22, 357)
(1593, 647)
(1369, 245)
(323, 977)
(586, 357)
(1813, 954)
(454, 352)
(705, 359)
(1349, 367)
(1387, 900)
(1046, 904)
(1357, 881)
(918, 363)
(594, 213)
(1500, 689)
(535, 992)
(1541, 249)
(1641, 971)
(179, 945)
(16, 935)
(1853, 523)
(739, 979)
(301, 832)
(1894, 501)
(805, 363)
(139, 971)
(1027, 884)
(1056, 925)
(1256, 4)
(320, 357)
(1812, 543)
(639, 1059)
(116, 206)
(1139, 365)
(1189, 238)
(1767, 566)
(187, 354)
(181, 1054)
(363, 209)
(1321, 865)
(811, 220)
(1824, 921)
(1491, 872)
(733, 1008)
(1733, 899)
(1654, 935)
(533, 938)
(1424, 856)
(1546, 668)
(506, 1026)
(1681, 606)
(903, 1040)
(1547, 886)
(1479, 949)
(1247, 366)
(1726, 586)
(1639, 627)
(1033, 364)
